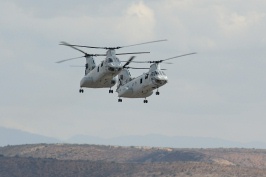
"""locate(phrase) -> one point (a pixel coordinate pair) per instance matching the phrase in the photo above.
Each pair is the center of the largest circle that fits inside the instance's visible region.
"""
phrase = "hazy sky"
(220, 92)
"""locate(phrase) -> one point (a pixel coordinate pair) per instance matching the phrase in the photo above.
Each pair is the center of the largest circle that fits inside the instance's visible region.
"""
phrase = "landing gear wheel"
(145, 101)
(157, 93)
(111, 91)
(119, 100)
(81, 90)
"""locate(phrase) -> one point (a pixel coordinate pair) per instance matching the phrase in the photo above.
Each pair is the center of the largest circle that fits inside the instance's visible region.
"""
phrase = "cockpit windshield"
(110, 60)
(162, 73)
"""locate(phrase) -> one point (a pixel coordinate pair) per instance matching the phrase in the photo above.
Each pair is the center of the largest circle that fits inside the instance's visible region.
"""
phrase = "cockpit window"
(110, 60)
(161, 72)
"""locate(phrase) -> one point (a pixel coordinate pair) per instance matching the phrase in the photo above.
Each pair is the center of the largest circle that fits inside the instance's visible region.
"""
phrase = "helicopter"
(143, 85)
(103, 75)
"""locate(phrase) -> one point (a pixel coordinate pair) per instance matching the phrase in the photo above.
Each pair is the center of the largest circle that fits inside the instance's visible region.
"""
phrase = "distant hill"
(67, 160)
(165, 141)
(15, 137)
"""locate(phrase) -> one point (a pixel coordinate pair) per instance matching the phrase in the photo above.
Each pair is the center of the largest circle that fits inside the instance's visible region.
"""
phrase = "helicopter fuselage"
(102, 76)
(142, 86)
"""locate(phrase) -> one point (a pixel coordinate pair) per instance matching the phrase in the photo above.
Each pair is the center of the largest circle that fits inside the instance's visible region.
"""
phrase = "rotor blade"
(131, 53)
(144, 43)
(178, 56)
(136, 68)
(72, 45)
(76, 66)
(61, 61)
(69, 45)
(159, 61)
(141, 68)
(97, 55)
(129, 61)
(141, 61)
(149, 62)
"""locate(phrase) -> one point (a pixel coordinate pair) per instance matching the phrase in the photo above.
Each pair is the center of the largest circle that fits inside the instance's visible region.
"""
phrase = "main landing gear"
(81, 90)
(157, 93)
(145, 101)
(111, 91)
(119, 100)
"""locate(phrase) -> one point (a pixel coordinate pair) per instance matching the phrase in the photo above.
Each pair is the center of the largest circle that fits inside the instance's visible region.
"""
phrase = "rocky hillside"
(92, 160)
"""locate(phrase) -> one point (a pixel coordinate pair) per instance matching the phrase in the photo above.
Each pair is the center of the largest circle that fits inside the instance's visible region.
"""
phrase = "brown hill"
(92, 160)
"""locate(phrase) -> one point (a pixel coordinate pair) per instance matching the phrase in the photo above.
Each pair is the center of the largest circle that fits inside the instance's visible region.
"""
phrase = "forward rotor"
(85, 54)
(131, 60)
(160, 61)
(118, 47)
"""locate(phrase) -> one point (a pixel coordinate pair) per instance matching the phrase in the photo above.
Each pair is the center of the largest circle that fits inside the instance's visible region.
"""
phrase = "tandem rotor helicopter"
(103, 75)
(143, 85)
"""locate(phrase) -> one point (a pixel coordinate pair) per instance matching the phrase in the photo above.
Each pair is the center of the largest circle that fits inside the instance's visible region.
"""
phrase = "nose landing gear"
(157, 93)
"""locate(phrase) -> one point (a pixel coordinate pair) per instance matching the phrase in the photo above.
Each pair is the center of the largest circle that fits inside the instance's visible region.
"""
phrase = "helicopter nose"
(161, 80)
(114, 68)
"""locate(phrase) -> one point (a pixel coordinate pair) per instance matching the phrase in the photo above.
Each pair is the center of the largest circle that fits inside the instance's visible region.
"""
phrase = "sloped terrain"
(65, 160)
(103, 153)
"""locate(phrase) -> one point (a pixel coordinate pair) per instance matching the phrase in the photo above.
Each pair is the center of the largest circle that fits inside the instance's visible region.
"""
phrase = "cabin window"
(146, 76)
(98, 69)
(141, 81)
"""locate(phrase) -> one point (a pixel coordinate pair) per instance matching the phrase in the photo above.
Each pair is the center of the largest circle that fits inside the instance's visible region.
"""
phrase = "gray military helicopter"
(143, 85)
(103, 75)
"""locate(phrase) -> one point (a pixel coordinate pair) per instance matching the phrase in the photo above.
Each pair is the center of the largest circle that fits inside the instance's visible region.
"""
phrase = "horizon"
(149, 140)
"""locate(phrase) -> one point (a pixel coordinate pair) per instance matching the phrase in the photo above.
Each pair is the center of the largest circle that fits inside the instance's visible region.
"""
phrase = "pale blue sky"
(220, 92)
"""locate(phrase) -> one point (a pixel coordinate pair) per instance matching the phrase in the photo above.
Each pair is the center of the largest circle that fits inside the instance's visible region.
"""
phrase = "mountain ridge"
(9, 136)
